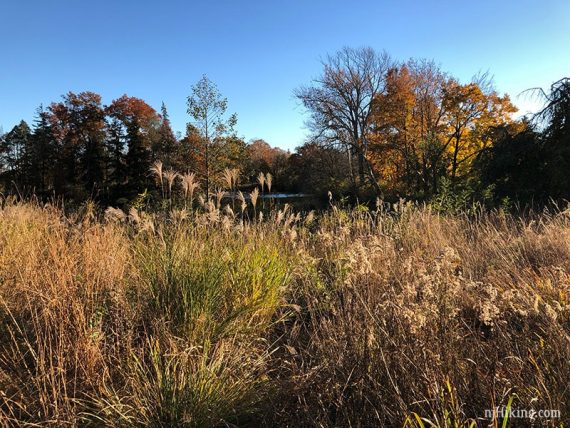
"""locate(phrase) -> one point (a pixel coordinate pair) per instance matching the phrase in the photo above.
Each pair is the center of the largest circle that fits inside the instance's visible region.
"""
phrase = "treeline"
(378, 128)
(409, 129)
(80, 149)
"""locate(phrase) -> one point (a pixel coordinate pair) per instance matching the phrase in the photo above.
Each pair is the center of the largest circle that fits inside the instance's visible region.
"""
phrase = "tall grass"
(347, 318)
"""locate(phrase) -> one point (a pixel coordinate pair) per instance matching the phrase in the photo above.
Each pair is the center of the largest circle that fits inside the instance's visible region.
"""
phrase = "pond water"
(285, 195)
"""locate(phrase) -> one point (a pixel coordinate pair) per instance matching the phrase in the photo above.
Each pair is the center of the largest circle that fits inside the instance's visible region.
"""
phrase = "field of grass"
(347, 318)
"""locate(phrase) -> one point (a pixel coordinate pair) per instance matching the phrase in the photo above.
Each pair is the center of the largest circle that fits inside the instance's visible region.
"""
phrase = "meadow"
(217, 316)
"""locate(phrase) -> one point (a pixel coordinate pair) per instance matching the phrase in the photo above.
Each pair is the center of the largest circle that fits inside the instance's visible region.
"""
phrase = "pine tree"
(116, 162)
(13, 148)
(167, 143)
(41, 155)
(138, 160)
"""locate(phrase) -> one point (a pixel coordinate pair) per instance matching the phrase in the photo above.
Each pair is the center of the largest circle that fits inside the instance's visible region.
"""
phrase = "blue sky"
(258, 52)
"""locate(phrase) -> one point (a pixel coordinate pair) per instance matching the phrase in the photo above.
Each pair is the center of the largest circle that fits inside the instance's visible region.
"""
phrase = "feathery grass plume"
(170, 176)
(189, 186)
(147, 225)
(228, 178)
(228, 210)
(236, 173)
(254, 195)
(241, 198)
(268, 181)
(134, 215)
(178, 215)
(261, 180)
(213, 213)
(115, 215)
(156, 169)
(310, 218)
(219, 196)
(226, 223)
(231, 177)
(279, 217)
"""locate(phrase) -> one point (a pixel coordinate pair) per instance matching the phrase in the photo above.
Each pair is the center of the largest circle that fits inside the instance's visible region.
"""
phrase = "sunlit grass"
(351, 317)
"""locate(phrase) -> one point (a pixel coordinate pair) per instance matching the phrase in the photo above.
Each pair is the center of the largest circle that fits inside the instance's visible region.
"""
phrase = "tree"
(407, 135)
(138, 124)
(471, 113)
(555, 147)
(261, 157)
(165, 149)
(515, 166)
(78, 123)
(208, 109)
(42, 154)
(317, 169)
(13, 148)
(340, 103)
(427, 126)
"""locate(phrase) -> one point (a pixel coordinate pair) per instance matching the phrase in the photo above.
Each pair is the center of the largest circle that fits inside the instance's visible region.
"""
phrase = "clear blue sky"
(259, 51)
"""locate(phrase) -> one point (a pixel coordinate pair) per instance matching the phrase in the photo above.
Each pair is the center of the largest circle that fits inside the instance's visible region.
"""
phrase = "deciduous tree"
(340, 103)
(208, 108)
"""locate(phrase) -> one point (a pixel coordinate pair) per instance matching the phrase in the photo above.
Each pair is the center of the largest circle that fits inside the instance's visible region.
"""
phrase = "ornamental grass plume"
(228, 178)
(231, 178)
(170, 177)
(156, 169)
(241, 198)
(219, 196)
(115, 215)
(189, 186)
(261, 180)
(235, 177)
(253, 196)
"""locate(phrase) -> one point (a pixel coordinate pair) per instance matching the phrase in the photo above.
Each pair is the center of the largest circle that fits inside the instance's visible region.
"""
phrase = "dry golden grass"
(350, 318)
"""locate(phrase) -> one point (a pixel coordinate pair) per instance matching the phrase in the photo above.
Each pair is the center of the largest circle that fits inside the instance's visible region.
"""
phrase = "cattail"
(269, 181)
(261, 180)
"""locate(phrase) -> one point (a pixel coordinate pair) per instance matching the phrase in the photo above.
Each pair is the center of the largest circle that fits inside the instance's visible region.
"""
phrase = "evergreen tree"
(41, 155)
(116, 162)
(167, 143)
(12, 150)
(79, 126)
(138, 159)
